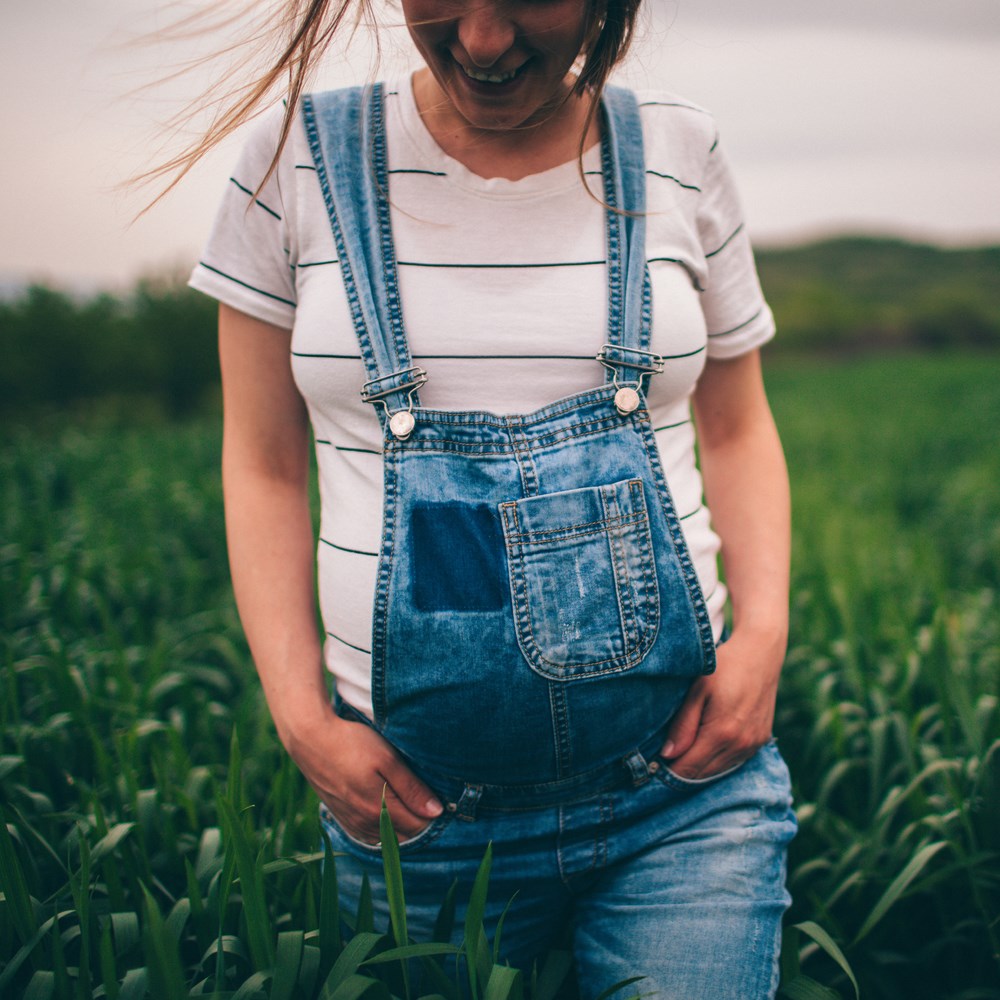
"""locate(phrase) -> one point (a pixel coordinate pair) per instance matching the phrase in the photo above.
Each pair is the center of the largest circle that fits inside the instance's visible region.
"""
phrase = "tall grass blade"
(42, 986)
(162, 961)
(553, 974)
(287, 962)
(358, 988)
(20, 956)
(804, 988)
(474, 921)
(253, 987)
(365, 921)
(828, 945)
(355, 952)
(504, 983)
(899, 885)
(15, 886)
(330, 943)
(393, 869)
(109, 969)
(255, 912)
(110, 841)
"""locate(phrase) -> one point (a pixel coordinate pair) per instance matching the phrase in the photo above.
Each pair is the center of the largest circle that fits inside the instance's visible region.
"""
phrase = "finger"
(411, 792)
(683, 729)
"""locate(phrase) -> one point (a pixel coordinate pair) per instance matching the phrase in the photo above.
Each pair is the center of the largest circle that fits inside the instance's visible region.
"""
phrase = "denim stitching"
(572, 530)
(558, 710)
(380, 706)
(524, 625)
(623, 586)
(676, 534)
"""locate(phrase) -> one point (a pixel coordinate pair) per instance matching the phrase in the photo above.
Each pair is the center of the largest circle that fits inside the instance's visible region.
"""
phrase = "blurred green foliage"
(155, 347)
(861, 294)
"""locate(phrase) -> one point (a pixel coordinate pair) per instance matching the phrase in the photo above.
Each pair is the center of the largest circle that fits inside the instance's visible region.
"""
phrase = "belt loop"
(466, 807)
(637, 768)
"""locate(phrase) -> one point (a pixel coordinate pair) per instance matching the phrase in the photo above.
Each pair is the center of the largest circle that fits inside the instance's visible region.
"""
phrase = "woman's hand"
(350, 765)
(727, 715)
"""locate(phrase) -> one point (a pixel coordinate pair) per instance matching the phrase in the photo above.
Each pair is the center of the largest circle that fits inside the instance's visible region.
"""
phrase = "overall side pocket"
(583, 579)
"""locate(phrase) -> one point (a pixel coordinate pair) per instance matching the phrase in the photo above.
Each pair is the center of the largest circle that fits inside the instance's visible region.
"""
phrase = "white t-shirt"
(504, 297)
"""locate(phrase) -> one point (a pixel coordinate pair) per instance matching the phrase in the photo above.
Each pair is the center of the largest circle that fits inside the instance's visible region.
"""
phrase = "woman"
(517, 572)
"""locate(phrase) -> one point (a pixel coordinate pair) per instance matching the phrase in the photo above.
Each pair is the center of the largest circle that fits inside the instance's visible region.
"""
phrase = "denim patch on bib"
(459, 562)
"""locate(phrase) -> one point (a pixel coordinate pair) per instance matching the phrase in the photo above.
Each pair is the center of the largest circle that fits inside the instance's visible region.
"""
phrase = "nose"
(485, 32)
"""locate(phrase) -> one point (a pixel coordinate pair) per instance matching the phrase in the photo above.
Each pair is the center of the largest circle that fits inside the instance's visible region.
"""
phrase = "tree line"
(155, 346)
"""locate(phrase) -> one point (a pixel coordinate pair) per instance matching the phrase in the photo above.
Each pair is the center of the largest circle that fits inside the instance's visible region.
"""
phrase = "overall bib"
(537, 616)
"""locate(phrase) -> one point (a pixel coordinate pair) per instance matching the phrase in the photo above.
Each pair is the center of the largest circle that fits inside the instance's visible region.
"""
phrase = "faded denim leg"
(524, 879)
(694, 891)
(679, 881)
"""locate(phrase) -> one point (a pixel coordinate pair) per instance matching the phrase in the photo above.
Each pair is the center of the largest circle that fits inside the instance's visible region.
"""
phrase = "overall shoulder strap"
(624, 170)
(346, 134)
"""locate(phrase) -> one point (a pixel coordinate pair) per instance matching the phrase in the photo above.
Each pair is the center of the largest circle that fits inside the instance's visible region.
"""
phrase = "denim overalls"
(537, 616)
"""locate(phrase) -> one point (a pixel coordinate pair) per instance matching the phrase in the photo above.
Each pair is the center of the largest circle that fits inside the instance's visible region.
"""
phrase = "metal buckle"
(651, 364)
(401, 422)
(627, 398)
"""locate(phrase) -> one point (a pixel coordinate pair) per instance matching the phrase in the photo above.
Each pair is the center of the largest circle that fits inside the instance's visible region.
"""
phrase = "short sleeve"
(737, 317)
(247, 262)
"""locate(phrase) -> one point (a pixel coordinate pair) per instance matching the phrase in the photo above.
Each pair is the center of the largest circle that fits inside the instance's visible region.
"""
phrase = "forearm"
(271, 554)
(746, 488)
(265, 475)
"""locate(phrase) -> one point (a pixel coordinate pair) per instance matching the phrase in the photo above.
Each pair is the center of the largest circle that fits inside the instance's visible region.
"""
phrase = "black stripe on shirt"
(672, 104)
(342, 357)
(344, 447)
(256, 201)
(692, 274)
(670, 177)
(253, 288)
(413, 170)
(670, 427)
(316, 263)
(736, 329)
(460, 266)
(503, 357)
(360, 649)
(729, 240)
(344, 548)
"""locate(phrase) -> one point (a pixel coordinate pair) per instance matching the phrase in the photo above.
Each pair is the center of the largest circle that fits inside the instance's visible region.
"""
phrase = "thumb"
(411, 791)
(684, 726)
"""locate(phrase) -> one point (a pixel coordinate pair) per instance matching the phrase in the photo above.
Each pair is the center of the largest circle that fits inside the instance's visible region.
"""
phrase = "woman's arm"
(727, 715)
(265, 475)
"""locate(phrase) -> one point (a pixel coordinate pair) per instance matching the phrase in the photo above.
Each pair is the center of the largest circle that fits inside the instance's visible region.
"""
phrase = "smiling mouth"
(482, 76)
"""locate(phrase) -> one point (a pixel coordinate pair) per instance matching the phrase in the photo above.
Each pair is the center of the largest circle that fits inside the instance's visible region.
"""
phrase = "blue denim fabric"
(680, 881)
(533, 579)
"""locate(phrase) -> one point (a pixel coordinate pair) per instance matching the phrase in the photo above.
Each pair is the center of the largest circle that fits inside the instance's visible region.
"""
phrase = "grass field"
(157, 842)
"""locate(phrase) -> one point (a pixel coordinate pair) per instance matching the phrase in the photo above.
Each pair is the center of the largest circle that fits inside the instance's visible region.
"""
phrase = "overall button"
(401, 423)
(626, 400)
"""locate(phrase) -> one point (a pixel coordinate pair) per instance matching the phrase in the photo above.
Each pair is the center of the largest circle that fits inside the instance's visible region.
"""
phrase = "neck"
(550, 141)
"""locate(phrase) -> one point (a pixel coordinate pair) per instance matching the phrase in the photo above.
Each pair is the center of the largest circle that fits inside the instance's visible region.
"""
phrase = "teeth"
(476, 74)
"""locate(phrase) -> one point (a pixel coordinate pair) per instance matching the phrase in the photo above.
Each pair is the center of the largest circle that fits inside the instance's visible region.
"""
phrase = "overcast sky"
(865, 115)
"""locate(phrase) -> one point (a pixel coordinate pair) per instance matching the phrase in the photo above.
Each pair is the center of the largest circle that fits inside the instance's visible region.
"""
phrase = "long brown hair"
(297, 39)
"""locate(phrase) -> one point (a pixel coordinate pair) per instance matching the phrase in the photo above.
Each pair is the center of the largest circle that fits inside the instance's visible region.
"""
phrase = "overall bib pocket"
(583, 579)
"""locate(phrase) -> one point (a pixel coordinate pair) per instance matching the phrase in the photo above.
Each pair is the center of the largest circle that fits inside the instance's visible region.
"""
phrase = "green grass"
(157, 841)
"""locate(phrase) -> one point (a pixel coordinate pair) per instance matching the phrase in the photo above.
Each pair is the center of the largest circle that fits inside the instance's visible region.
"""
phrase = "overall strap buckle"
(403, 383)
(635, 365)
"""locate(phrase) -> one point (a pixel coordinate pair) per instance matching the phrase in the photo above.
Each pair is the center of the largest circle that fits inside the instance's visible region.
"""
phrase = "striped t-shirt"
(504, 297)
